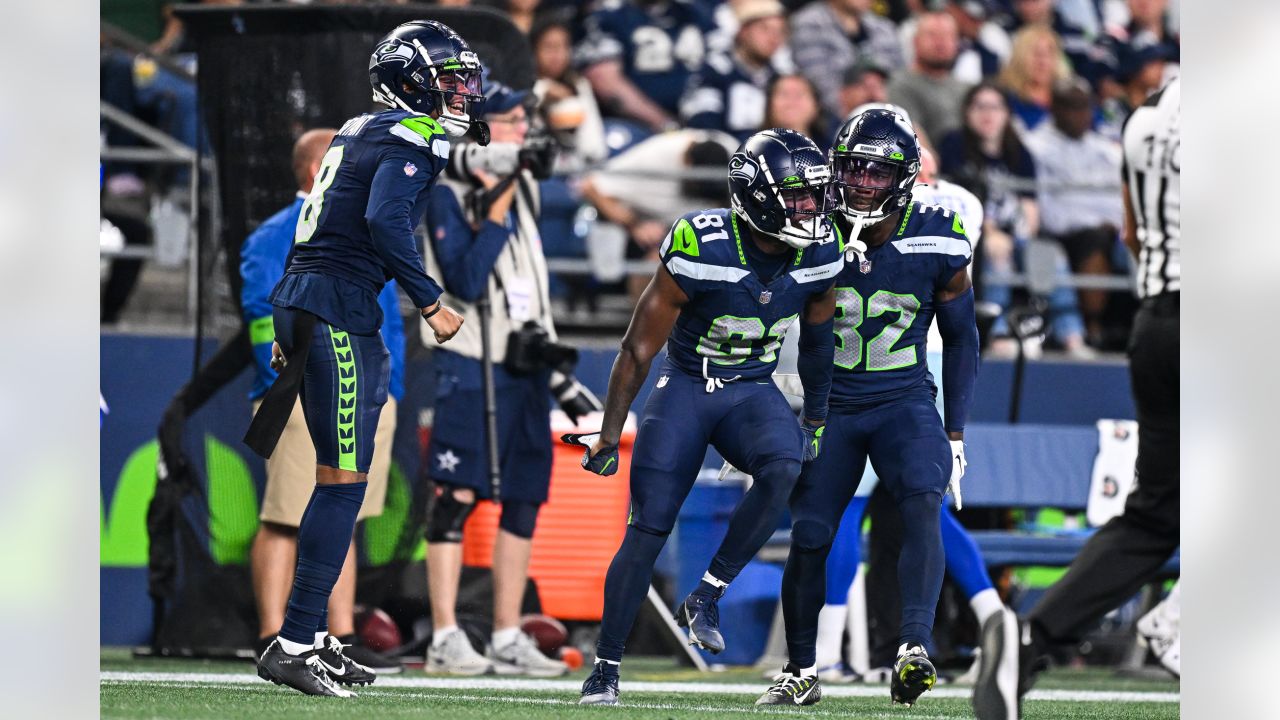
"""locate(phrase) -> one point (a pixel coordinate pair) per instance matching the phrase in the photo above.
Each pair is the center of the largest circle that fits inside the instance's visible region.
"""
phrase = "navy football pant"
(909, 451)
(343, 390)
(752, 425)
(344, 387)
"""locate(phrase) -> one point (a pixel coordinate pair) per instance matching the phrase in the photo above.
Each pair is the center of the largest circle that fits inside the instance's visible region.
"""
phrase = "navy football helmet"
(779, 183)
(874, 164)
(423, 66)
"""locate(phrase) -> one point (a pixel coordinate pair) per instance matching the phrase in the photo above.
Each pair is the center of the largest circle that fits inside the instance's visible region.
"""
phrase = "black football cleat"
(303, 673)
(377, 662)
(792, 688)
(341, 668)
(913, 674)
(700, 614)
(1009, 669)
(601, 686)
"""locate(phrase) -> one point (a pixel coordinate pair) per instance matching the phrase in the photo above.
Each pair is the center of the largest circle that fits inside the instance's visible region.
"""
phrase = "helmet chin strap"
(853, 246)
(454, 126)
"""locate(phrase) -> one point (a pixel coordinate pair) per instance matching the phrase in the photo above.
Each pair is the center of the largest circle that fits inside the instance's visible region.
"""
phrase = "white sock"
(707, 577)
(809, 671)
(985, 604)
(615, 663)
(320, 636)
(292, 647)
(439, 634)
(831, 622)
(505, 636)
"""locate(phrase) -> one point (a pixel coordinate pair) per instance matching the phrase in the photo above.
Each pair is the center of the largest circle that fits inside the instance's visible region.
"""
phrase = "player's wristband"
(428, 315)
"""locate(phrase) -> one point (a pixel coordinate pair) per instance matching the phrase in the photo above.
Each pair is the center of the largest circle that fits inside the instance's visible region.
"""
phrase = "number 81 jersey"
(884, 306)
(733, 325)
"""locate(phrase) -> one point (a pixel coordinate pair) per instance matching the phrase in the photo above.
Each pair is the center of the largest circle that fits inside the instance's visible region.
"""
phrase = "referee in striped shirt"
(1129, 550)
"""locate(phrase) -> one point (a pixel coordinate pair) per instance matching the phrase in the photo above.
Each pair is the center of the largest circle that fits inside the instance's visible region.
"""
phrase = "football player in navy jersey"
(354, 233)
(907, 264)
(731, 284)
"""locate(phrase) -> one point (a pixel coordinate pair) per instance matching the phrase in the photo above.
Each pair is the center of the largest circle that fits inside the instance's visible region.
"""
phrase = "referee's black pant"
(1128, 551)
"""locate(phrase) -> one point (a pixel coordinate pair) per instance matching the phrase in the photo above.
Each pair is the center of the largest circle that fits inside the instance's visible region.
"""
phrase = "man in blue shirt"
(291, 468)
(355, 232)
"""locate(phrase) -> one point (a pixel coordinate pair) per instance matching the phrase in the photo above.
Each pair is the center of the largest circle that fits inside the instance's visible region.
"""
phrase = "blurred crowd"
(1020, 101)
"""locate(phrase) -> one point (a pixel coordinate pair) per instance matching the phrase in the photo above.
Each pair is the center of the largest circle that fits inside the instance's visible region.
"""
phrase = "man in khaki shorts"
(291, 470)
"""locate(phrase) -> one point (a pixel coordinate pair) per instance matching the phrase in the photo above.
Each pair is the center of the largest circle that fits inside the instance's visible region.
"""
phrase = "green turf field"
(651, 688)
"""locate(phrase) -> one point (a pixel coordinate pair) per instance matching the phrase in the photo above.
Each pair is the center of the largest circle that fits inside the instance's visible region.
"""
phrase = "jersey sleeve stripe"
(934, 244)
(822, 272)
(405, 133)
(701, 271)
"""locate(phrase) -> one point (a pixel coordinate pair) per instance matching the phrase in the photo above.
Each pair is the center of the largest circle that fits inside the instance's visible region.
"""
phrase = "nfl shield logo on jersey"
(410, 169)
(864, 267)
(765, 296)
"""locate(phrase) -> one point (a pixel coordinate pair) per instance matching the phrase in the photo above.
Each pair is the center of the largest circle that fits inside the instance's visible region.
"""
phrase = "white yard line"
(679, 688)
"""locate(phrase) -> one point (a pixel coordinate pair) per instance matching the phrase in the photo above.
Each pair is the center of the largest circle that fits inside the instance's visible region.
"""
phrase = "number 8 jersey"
(355, 231)
(884, 305)
(734, 322)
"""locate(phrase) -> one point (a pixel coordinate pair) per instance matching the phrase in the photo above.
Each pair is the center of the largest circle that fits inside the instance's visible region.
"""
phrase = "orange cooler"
(579, 528)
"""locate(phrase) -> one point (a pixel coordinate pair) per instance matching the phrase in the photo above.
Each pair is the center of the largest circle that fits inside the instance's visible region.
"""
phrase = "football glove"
(603, 463)
(958, 464)
(812, 440)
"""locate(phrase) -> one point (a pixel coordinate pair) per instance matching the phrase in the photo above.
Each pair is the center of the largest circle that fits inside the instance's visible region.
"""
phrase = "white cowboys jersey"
(1152, 168)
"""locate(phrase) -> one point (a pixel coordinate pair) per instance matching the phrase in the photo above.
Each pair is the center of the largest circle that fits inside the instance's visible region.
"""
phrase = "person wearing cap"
(1139, 73)
(483, 242)
(828, 36)
(728, 94)
(984, 45)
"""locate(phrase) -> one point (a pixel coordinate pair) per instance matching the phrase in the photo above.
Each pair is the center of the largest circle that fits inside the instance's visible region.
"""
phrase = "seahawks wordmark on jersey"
(884, 307)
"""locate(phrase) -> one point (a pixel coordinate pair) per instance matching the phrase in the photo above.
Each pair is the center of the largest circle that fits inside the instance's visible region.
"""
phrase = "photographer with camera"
(483, 243)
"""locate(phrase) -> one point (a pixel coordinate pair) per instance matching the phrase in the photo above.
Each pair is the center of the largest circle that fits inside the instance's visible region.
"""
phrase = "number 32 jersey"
(733, 325)
(884, 307)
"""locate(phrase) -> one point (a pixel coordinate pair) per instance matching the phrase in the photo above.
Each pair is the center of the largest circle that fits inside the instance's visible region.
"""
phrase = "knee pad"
(778, 475)
(811, 535)
(447, 516)
(519, 517)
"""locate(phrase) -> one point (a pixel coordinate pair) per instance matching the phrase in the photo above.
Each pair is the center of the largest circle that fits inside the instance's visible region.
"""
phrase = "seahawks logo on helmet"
(393, 52)
(744, 169)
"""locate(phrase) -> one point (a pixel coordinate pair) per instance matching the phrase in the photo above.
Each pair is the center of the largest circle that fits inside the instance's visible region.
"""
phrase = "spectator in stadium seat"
(291, 470)
(928, 91)
(565, 100)
(1140, 72)
(483, 243)
(1078, 174)
(829, 36)
(864, 82)
(638, 191)
(728, 94)
(792, 103)
(638, 56)
(1035, 66)
(1149, 24)
(984, 45)
(1078, 33)
(987, 157)
(522, 13)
